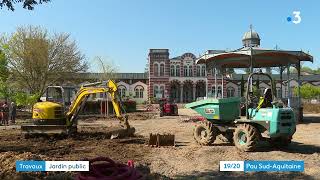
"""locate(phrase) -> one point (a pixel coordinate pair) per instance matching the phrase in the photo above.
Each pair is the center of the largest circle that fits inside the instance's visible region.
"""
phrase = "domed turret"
(251, 38)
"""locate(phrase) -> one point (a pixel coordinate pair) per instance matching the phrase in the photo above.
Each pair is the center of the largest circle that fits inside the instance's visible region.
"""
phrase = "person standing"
(13, 112)
(5, 113)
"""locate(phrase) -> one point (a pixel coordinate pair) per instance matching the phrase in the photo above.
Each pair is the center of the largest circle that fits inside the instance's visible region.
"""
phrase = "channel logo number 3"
(297, 17)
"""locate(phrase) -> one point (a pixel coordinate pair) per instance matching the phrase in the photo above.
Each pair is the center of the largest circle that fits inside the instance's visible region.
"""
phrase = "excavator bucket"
(121, 132)
(158, 140)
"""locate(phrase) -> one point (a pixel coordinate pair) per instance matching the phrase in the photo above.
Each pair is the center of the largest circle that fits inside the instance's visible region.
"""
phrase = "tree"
(37, 59)
(307, 69)
(107, 68)
(4, 72)
(308, 91)
(4, 75)
(27, 4)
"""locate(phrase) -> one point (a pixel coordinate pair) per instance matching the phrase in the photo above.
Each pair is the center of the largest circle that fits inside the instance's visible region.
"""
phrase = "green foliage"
(27, 4)
(305, 69)
(4, 72)
(37, 59)
(24, 99)
(4, 90)
(130, 106)
(4, 75)
(308, 91)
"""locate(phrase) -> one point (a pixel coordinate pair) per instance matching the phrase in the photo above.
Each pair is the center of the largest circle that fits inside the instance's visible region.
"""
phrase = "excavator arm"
(84, 93)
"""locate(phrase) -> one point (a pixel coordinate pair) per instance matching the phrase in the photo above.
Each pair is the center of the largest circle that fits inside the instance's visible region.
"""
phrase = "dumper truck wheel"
(245, 137)
(205, 133)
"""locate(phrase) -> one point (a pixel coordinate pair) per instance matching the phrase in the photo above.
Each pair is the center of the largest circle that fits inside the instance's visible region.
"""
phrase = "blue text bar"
(278, 166)
(30, 166)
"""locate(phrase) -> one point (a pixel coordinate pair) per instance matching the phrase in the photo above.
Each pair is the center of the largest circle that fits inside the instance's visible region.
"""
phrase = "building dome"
(251, 38)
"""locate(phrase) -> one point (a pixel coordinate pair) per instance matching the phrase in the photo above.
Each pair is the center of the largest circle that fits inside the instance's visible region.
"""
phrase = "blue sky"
(122, 31)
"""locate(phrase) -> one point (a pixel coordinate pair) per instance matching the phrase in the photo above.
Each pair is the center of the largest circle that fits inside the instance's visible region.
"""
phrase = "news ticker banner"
(254, 166)
(29, 166)
(246, 166)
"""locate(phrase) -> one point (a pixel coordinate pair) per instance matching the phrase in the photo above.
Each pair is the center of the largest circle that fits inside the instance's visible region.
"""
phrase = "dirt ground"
(187, 160)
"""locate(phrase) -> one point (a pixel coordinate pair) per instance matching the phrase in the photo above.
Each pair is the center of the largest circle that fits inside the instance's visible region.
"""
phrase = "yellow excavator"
(53, 117)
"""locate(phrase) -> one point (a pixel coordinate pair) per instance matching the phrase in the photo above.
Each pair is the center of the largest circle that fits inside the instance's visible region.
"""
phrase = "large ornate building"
(178, 78)
(182, 80)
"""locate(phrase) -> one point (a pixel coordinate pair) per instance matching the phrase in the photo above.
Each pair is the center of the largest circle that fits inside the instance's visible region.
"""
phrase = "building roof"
(309, 78)
(251, 34)
(123, 76)
(260, 57)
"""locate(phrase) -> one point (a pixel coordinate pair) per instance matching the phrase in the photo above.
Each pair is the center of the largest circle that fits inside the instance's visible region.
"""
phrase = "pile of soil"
(7, 160)
(141, 116)
(88, 143)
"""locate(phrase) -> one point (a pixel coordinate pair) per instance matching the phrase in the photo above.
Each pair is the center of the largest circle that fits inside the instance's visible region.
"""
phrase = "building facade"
(182, 80)
(179, 78)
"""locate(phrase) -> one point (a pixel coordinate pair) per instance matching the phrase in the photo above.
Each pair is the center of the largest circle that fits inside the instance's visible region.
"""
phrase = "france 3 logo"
(295, 18)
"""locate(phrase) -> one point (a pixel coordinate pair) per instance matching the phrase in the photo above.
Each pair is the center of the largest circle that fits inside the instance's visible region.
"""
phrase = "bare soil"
(187, 160)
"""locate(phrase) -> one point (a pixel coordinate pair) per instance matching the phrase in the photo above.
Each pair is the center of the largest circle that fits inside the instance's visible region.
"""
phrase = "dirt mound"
(141, 115)
(8, 166)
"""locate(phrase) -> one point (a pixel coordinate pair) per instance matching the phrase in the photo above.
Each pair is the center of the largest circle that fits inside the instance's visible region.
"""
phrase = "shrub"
(130, 105)
(308, 91)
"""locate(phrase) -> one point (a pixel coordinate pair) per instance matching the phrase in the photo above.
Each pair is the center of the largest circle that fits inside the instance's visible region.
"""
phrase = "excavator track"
(44, 129)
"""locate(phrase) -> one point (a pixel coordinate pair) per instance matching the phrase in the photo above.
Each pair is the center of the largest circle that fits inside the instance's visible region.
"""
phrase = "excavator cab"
(53, 94)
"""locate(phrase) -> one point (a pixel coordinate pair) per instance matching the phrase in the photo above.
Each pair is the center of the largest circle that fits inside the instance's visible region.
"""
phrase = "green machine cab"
(265, 118)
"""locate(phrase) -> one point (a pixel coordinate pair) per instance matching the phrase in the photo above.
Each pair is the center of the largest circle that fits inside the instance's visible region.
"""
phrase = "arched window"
(190, 71)
(230, 92)
(292, 92)
(178, 70)
(198, 70)
(203, 71)
(219, 91)
(162, 91)
(185, 70)
(155, 91)
(161, 69)
(172, 69)
(213, 91)
(156, 69)
(278, 93)
(122, 91)
(138, 91)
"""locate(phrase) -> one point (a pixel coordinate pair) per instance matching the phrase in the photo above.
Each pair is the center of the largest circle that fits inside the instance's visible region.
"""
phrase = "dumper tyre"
(205, 133)
(246, 137)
